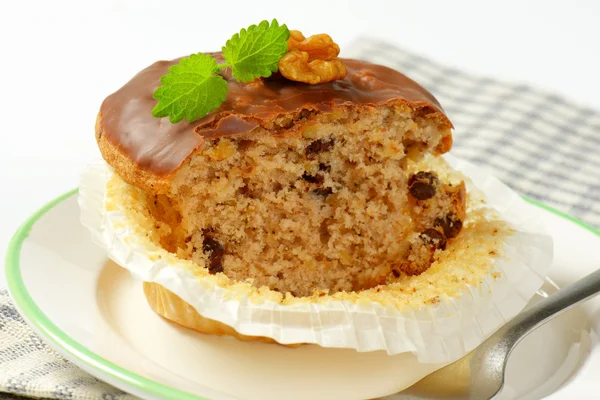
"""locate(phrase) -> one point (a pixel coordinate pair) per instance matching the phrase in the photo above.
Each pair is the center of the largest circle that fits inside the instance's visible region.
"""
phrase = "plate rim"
(36, 318)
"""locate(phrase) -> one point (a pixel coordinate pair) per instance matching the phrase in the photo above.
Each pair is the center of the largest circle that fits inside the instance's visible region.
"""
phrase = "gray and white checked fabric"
(537, 142)
(29, 367)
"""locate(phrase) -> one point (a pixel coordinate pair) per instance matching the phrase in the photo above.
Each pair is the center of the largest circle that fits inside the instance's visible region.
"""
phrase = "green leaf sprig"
(193, 88)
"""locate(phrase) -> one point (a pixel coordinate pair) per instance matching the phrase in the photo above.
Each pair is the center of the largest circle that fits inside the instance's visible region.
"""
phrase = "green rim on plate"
(40, 321)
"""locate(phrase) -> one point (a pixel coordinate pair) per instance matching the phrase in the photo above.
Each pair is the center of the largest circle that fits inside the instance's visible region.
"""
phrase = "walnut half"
(312, 60)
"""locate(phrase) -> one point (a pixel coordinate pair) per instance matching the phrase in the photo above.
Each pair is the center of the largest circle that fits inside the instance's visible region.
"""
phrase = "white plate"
(95, 314)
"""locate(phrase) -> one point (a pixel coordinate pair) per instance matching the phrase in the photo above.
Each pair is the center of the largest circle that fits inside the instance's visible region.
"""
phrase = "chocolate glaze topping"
(160, 147)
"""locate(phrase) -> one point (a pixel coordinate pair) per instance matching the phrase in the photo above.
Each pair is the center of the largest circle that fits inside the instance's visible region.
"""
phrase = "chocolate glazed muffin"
(300, 188)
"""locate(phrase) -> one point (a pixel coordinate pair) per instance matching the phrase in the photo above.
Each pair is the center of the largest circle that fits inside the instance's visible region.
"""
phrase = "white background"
(60, 59)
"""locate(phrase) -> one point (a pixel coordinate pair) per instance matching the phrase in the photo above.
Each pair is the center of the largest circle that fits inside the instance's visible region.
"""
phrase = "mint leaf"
(191, 89)
(255, 52)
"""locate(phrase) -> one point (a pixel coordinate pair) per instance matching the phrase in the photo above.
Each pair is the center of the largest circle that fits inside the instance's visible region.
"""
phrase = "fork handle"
(500, 344)
(552, 306)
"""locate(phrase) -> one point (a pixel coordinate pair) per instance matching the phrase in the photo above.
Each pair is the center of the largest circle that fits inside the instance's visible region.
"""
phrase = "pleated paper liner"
(484, 278)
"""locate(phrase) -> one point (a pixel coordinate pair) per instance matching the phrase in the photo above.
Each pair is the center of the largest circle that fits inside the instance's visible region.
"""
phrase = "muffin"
(300, 188)
(308, 212)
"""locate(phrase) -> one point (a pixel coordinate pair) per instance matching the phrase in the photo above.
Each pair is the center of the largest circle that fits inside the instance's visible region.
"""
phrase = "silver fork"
(480, 374)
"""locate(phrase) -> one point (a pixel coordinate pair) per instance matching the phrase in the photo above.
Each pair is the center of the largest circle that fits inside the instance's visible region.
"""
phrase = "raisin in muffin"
(299, 188)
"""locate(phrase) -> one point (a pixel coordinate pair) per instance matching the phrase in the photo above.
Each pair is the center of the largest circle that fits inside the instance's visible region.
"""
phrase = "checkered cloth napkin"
(538, 143)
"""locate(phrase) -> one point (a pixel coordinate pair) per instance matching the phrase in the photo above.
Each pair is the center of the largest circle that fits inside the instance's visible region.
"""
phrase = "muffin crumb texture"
(467, 260)
(315, 202)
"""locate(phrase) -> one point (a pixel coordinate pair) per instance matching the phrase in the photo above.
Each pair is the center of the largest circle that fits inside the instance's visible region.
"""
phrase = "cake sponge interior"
(314, 201)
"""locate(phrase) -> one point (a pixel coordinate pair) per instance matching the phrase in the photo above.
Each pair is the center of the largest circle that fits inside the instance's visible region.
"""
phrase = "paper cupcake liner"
(437, 333)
